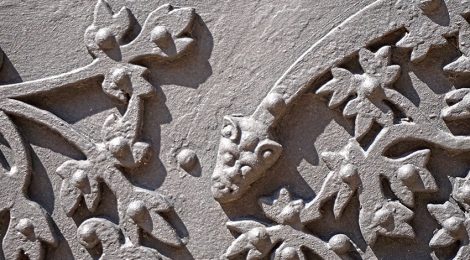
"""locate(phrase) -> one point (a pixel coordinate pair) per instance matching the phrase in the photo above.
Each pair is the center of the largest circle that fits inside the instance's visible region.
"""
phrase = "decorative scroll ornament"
(365, 93)
(166, 36)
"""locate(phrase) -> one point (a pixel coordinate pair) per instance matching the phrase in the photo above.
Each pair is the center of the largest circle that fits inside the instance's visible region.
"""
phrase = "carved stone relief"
(120, 67)
(358, 70)
(359, 150)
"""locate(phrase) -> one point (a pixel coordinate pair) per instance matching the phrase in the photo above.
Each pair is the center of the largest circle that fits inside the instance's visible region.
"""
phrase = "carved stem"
(44, 118)
(419, 132)
(134, 115)
(406, 105)
(323, 55)
(51, 83)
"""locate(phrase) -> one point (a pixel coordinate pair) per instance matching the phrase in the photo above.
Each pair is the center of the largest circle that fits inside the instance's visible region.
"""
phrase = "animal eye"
(229, 159)
(227, 131)
(268, 153)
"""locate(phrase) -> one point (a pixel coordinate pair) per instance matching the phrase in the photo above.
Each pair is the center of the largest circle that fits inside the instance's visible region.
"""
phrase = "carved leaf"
(146, 213)
(342, 86)
(461, 192)
(168, 29)
(243, 226)
(366, 114)
(78, 182)
(377, 65)
(445, 211)
(390, 220)
(442, 238)
(459, 104)
(411, 176)
(463, 253)
(282, 208)
(164, 231)
(70, 197)
(27, 231)
(343, 197)
(423, 33)
(256, 242)
(108, 29)
(461, 66)
(452, 220)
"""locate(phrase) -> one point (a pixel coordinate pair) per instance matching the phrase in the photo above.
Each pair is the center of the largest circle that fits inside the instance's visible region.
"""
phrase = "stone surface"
(235, 129)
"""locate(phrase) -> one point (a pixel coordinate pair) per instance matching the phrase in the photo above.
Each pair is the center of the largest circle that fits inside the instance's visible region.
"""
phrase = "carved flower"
(78, 182)
(459, 104)
(455, 226)
(164, 33)
(145, 212)
(101, 232)
(108, 28)
(461, 66)
(29, 227)
(352, 168)
(282, 208)
(368, 106)
(424, 32)
(254, 239)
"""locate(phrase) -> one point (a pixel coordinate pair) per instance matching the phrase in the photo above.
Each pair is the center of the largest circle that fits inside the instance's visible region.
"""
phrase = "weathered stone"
(235, 130)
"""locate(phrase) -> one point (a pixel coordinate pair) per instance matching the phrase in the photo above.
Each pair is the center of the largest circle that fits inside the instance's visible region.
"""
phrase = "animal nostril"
(216, 178)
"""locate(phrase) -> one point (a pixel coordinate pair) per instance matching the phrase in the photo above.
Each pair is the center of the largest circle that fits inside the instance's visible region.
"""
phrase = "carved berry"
(79, 179)
(289, 253)
(161, 37)
(87, 236)
(348, 173)
(26, 227)
(187, 159)
(407, 173)
(105, 39)
(340, 244)
(137, 211)
(454, 225)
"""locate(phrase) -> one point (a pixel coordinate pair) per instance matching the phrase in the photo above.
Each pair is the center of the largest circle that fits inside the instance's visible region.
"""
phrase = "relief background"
(244, 47)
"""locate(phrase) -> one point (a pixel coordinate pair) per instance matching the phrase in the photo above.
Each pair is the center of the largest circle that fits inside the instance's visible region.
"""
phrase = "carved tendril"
(369, 98)
(165, 36)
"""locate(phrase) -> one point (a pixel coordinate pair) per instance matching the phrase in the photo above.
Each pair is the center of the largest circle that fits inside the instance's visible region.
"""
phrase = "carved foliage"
(165, 36)
(384, 187)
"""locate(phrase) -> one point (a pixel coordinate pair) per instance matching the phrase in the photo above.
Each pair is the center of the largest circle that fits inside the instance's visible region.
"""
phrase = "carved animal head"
(245, 153)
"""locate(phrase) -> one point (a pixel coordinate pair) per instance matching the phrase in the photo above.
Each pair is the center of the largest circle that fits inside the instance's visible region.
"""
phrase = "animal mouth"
(224, 192)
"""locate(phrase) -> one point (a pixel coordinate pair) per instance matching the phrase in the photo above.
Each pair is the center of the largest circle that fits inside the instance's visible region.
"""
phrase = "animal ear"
(230, 129)
(269, 151)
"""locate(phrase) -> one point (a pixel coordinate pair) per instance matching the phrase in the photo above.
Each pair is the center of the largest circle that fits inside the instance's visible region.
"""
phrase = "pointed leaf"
(341, 86)
(238, 247)
(403, 193)
(442, 212)
(442, 238)
(70, 197)
(342, 199)
(363, 125)
(243, 226)
(163, 231)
